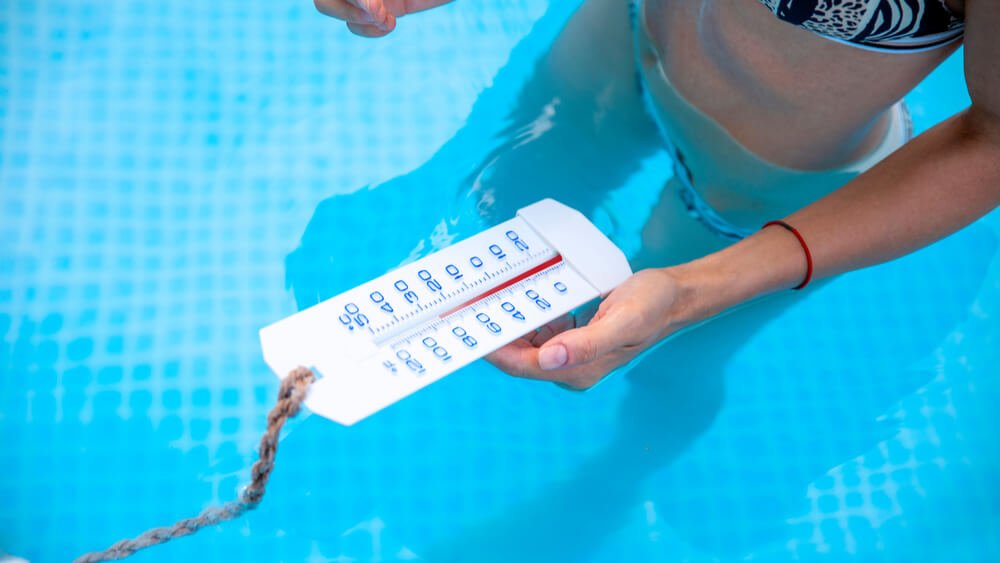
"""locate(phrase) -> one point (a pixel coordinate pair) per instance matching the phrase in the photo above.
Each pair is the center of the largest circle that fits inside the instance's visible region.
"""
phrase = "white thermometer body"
(385, 339)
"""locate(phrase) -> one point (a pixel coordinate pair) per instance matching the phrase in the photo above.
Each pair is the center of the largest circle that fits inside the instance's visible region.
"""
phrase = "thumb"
(582, 345)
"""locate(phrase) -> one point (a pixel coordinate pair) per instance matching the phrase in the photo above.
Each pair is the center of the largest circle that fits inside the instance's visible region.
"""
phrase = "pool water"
(176, 175)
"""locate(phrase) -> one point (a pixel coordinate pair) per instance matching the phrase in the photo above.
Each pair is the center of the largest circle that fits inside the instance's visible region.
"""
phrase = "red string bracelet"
(805, 248)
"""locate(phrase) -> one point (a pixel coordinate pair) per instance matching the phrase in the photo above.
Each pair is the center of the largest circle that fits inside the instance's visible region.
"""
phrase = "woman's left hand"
(637, 314)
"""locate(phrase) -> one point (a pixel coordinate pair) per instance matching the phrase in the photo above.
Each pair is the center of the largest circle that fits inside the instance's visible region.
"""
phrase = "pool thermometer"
(385, 339)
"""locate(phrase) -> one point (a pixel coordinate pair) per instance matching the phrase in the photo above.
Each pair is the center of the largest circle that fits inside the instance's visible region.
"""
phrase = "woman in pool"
(772, 109)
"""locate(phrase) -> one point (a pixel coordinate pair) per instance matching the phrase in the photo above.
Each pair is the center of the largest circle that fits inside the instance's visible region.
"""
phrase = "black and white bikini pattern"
(897, 25)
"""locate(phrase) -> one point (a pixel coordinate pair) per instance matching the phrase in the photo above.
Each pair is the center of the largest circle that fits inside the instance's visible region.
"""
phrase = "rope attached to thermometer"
(394, 335)
(290, 396)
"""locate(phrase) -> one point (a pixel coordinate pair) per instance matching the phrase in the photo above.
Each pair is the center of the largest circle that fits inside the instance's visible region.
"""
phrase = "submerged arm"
(938, 183)
(944, 179)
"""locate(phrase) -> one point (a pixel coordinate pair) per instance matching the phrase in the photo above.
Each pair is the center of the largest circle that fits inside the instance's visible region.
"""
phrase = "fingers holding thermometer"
(632, 318)
(576, 358)
(373, 18)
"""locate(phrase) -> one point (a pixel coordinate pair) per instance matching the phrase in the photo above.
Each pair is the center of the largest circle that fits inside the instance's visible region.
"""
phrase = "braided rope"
(290, 396)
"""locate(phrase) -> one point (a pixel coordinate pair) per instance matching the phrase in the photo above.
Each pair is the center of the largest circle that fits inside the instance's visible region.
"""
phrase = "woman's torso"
(789, 95)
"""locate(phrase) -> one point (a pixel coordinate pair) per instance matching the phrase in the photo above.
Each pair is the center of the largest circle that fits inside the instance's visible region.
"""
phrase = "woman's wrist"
(693, 295)
(767, 261)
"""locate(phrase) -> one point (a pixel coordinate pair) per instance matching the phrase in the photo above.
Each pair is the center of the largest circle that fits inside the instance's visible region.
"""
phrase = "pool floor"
(176, 175)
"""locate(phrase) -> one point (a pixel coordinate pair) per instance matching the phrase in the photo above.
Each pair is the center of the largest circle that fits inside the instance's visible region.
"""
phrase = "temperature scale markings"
(476, 305)
(516, 279)
(486, 277)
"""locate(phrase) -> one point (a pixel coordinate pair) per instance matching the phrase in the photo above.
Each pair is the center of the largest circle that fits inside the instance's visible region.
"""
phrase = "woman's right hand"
(373, 18)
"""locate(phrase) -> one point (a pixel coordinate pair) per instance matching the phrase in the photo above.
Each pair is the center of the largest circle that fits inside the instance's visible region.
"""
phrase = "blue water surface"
(176, 175)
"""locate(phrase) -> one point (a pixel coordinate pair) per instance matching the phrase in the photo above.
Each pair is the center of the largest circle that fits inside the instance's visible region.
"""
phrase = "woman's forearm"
(936, 184)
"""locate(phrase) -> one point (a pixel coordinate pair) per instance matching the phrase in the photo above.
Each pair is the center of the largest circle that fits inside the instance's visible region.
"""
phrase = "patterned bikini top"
(882, 25)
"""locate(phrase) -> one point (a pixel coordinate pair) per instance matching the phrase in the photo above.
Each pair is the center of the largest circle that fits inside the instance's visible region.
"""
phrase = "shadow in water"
(573, 129)
(576, 134)
(738, 491)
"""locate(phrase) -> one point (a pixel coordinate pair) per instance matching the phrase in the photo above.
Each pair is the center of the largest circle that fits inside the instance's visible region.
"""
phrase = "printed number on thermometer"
(384, 340)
